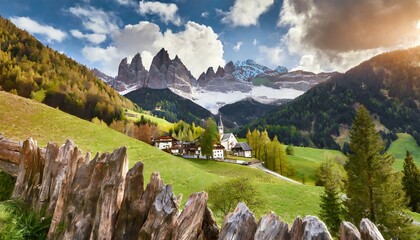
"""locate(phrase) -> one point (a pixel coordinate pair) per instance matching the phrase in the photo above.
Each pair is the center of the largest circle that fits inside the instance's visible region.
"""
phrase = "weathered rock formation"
(270, 227)
(349, 232)
(133, 73)
(368, 230)
(167, 73)
(102, 199)
(239, 225)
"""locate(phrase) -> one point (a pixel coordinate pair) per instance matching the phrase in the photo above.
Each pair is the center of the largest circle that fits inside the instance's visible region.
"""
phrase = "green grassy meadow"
(306, 160)
(162, 123)
(23, 118)
(398, 149)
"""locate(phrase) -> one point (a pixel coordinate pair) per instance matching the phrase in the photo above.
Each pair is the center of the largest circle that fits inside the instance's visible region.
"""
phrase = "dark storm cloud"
(351, 25)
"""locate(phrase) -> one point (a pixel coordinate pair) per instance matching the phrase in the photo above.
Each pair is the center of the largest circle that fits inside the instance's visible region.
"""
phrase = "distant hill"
(388, 85)
(32, 70)
(244, 112)
(166, 104)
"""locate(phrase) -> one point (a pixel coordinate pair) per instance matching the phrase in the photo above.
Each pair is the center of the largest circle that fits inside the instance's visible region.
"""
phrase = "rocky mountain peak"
(229, 67)
(220, 72)
(161, 59)
(167, 73)
(133, 73)
(281, 69)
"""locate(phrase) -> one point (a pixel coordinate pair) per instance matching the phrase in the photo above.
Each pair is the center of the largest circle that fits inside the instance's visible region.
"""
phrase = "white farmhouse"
(164, 142)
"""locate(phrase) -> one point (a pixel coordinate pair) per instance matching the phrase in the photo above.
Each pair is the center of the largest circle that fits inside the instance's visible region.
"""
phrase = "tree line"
(269, 151)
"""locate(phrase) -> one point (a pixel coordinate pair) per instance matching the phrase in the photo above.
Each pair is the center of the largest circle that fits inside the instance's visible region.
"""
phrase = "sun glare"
(418, 25)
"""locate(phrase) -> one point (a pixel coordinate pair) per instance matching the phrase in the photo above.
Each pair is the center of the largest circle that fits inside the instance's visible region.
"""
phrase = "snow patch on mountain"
(247, 69)
(214, 100)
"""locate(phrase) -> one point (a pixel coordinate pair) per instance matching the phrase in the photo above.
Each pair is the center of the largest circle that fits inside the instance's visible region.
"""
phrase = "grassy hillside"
(23, 118)
(399, 147)
(307, 160)
(135, 116)
(32, 70)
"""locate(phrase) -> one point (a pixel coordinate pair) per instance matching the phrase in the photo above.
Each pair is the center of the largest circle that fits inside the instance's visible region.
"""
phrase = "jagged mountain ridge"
(215, 88)
(163, 73)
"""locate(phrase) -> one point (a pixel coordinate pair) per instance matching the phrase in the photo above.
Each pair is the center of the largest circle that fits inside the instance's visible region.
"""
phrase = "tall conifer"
(373, 190)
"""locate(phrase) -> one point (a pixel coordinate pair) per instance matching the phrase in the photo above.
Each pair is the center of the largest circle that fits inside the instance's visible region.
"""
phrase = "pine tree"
(411, 182)
(331, 209)
(373, 189)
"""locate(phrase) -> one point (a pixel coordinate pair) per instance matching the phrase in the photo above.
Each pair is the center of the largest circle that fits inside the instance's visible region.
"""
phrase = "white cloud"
(205, 14)
(273, 55)
(126, 2)
(237, 47)
(51, 33)
(166, 11)
(246, 12)
(96, 20)
(197, 46)
(95, 38)
(255, 42)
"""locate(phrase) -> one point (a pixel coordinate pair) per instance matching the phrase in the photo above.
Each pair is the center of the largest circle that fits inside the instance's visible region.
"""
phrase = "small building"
(242, 149)
(191, 150)
(218, 152)
(164, 142)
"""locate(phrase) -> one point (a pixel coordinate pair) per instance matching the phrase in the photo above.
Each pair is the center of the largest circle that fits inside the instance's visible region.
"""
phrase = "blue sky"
(323, 35)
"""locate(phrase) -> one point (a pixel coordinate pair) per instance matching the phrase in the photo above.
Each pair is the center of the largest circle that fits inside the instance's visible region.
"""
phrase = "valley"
(319, 129)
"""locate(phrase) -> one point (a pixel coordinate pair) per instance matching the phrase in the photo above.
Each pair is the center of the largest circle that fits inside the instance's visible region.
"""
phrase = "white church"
(227, 140)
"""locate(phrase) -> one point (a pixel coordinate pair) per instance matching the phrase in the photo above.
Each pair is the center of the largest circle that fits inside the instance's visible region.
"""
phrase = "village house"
(218, 152)
(164, 142)
(242, 149)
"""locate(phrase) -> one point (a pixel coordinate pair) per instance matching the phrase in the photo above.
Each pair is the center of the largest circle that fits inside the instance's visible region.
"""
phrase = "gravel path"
(260, 166)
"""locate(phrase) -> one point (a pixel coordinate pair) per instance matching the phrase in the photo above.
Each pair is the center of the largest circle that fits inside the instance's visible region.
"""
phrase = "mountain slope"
(33, 70)
(388, 85)
(166, 104)
(243, 112)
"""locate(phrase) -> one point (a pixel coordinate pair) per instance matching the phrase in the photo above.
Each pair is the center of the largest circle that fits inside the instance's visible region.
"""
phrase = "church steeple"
(220, 126)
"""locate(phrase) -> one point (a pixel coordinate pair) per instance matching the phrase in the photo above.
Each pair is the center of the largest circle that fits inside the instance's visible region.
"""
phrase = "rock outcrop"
(368, 230)
(240, 224)
(102, 199)
(270, 227)
(349, 232)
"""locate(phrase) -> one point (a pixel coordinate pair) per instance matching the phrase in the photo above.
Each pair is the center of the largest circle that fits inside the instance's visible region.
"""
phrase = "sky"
(312, 35)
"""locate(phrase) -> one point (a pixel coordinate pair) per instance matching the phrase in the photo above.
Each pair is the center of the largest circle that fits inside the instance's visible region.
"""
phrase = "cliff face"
(133, 73)
(167, 73)
(102, 199)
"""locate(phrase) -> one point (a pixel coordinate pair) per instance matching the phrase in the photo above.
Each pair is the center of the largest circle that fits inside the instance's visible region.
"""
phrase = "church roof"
(225, 137)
